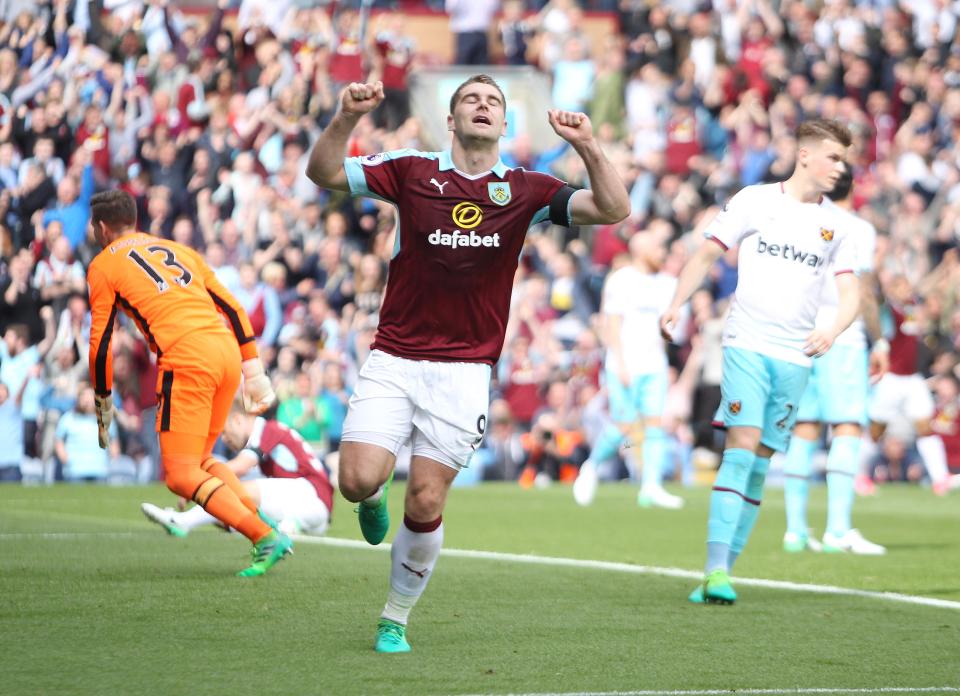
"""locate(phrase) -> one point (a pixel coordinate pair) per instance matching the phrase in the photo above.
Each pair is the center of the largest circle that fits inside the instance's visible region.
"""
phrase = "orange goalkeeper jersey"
(168, 290)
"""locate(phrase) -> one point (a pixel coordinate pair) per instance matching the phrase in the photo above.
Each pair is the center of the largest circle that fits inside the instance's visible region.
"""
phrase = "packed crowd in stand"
(206, 118)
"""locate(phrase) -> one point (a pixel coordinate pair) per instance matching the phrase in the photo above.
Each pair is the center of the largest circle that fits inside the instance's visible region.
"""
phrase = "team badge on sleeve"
(826, 235)
(735, 407)
(499, 192)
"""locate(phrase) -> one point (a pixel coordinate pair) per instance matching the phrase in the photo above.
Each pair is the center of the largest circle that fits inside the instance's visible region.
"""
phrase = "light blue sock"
(751, 507)
(796, 483)
(607, 444)
(843, 462)
(726, 502)
(654, 451)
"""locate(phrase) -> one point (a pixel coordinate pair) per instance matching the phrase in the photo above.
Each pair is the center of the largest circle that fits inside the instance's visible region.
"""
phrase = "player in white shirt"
(836, 395)
(635, 371)
(790, 238)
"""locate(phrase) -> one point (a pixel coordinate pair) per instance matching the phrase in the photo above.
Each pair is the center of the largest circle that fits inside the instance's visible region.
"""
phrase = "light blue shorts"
(838, 387)
(645, 397)
(758, 391)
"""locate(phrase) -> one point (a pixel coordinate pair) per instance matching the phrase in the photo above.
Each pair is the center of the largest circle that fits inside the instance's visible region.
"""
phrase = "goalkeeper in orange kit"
(177, 303)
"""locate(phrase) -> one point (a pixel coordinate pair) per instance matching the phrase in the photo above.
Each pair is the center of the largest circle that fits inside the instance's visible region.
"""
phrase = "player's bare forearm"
(325, 166)
(691, 277)
(848, 288)
(694, 271)
(610, 201)
(869, 307)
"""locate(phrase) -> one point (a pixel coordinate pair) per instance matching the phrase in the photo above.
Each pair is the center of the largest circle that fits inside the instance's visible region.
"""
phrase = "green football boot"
(375, 519)
(717, 588)
(266, 553)
(696, 597)
(391, 637)
(797, 543)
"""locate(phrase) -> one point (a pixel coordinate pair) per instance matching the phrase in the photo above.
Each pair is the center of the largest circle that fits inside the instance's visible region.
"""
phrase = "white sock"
(934, 456)
(868, 450)
(374, 499)
(413, 556)
(193, 518)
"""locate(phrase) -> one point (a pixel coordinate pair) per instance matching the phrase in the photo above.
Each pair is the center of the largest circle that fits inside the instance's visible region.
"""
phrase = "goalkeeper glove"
(258, 393)
(104, 418)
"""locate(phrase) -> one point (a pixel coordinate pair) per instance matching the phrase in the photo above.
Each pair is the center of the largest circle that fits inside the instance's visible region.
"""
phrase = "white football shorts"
(294, 504)
(440, 407)
(901, 396)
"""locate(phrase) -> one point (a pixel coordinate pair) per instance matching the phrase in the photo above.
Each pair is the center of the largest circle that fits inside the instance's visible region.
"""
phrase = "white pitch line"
(568, 563)
(65, 535)
(652, 570)
(756, 692)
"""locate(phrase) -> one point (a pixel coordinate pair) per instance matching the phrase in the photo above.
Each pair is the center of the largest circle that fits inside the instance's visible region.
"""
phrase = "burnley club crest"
(499, 192)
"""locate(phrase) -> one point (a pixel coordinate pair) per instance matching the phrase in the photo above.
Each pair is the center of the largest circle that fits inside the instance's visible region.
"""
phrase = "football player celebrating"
(463, 216)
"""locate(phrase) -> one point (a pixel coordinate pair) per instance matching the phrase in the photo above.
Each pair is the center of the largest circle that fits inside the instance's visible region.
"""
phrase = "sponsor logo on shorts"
(734, 407)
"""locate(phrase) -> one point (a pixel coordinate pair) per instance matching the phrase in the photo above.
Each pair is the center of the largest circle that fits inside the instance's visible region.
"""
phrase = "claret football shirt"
(458, 242)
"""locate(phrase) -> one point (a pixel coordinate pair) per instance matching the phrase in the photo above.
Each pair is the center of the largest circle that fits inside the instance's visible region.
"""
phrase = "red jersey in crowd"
(946, 424)
(397, 55)
(905, 344)
(346, 61)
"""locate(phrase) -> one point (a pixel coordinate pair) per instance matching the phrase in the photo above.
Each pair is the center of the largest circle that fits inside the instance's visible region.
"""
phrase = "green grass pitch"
(96, 600)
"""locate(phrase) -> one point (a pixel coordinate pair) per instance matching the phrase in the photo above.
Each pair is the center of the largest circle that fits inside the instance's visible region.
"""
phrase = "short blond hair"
(824, 129)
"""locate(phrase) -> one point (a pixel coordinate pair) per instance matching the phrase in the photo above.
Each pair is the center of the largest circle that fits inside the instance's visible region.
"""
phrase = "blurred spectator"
(21, 300)
(501, 454)
(306, 413)
(470, 20)
(11, 429)
(554, 453)
(72, 207)
(895, 462)
(334, 395)
(515, 31)
(946, 421)
(206, 119)
(58, 275)
(395, 52)
(77, 447)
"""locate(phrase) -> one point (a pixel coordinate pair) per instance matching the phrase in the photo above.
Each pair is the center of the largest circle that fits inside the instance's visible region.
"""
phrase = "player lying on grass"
(295, 490)
(179, 306)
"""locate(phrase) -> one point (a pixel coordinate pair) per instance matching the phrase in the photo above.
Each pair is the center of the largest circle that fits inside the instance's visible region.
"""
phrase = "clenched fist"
(361, 97)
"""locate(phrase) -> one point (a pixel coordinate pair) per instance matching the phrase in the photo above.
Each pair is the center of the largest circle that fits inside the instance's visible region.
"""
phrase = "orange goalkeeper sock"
(225, 474)
(223, 504)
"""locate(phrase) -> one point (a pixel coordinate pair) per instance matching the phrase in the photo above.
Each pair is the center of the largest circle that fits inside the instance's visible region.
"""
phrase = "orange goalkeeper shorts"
(197, 382)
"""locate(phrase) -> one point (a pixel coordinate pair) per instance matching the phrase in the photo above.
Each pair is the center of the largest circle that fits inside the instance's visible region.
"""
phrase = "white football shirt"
(640, 299)
(864, 236)
(787, 248)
